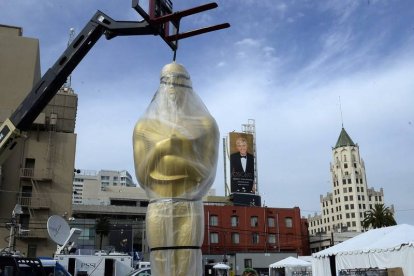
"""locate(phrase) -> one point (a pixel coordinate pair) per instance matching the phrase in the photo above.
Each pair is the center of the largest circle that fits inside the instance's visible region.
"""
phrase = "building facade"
(104, 178)
(246, 236)
(38, 174)
(344, 209)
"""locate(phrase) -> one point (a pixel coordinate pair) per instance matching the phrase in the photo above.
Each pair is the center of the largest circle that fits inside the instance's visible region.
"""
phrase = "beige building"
(104, 179)
(38, 175)
(343, 209)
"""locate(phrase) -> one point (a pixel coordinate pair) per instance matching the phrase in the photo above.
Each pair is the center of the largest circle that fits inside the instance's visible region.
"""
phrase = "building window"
(357, 181)
(234, 221)
(346, 173)
(347, 215)
(235, 238)
(346, 207)
(351, 198)
(349, 189)
(271, 221)
(214, 238)
(271, 238)
(343, 181)
(345, 190)
(248, 263)
(346, 166)
(346, 198)
(255, 238)
(349, 180)
(213, 220)
(289, 222)
(254, 221)
(355, 165)
(361, 181)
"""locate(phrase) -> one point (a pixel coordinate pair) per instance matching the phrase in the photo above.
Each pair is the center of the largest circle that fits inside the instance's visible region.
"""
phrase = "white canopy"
(376, 240)
(383, 248)
(221, 266)
(290, 262)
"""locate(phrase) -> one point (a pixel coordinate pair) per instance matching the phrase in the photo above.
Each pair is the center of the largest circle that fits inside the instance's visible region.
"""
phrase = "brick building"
(251, 236)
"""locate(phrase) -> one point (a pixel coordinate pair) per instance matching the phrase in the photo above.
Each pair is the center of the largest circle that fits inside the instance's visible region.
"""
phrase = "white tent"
(290, 264)
(221, 269)
(221, 266)
(382, 248)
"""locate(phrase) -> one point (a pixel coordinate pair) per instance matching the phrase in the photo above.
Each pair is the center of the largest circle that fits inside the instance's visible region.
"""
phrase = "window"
(355, 165)
(288, 222)
(248, 263)
(271, 221)
(255, 238)
(213, 220)
(235, 238)
(347, 215)
(254, 221)
(104, 177)
(234, 221)
(271, 238)
(346, 198)
(349, 189)
(346, 166)
(357, 181)
(346, 207)
(343, 181)
(214, 237)
(351, 198)
(349, 180)
(345, 190)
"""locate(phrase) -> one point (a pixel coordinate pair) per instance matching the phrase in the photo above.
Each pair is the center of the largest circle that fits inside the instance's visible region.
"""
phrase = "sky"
(292, 66)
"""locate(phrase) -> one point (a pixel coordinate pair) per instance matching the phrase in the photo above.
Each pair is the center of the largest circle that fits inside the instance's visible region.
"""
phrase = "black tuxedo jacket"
(236, 165)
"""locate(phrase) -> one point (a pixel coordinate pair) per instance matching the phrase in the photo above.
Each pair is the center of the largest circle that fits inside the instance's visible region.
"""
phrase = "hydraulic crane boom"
(100, 24)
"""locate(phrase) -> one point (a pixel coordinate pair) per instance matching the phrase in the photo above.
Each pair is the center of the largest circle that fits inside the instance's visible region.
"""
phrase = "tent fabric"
(382, 248)
(221, 266)
(376, 240)
(290, 262)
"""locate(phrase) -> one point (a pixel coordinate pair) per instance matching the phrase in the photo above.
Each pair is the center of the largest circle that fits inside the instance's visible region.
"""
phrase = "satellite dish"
(58, 229)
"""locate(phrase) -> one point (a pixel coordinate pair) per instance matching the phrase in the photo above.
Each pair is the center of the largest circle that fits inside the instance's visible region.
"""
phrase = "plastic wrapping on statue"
(184, 223)
(175, 141)
(175, 153)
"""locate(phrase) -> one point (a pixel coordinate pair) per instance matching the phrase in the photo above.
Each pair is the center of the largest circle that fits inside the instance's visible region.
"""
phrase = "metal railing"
(34, 202)
(30, 173)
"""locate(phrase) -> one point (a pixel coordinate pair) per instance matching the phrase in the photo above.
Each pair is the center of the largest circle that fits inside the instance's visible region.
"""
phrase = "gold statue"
(175, 153)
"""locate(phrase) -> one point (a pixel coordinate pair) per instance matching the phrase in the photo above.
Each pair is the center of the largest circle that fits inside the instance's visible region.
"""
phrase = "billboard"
(242, 162)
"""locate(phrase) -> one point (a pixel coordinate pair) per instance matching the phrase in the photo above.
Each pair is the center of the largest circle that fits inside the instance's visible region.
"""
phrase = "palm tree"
(379, 216)
(102, 229)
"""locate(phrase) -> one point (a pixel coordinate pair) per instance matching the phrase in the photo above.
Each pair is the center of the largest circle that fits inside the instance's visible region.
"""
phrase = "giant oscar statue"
(175, 152)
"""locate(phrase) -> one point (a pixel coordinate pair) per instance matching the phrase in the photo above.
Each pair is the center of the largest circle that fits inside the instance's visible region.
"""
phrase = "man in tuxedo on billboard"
(242, 168)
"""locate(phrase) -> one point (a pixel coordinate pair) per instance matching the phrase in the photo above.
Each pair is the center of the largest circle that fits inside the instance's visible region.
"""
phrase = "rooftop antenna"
(340, 109)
